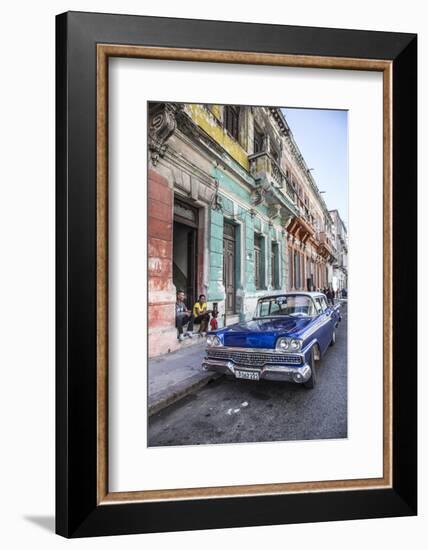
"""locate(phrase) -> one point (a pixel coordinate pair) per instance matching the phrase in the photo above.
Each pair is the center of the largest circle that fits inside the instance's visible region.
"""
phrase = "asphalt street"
(237, 411)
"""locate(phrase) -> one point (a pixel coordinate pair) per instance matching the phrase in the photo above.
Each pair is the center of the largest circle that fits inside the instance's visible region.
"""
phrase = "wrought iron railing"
(325, 240)
(264, 162)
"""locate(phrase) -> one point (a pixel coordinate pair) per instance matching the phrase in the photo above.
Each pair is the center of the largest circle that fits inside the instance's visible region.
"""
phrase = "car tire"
(310, 384)
(333, 338)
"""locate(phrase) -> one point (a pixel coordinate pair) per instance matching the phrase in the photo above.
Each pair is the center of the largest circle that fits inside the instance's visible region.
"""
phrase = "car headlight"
(283, 344)
(288, 344)
(213, 341)
(295, 345)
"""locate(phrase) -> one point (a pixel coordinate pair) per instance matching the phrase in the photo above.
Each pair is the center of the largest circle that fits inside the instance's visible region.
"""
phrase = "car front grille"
(254, 359)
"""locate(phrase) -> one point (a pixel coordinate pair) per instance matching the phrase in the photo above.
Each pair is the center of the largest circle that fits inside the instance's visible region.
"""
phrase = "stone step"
(187, 342)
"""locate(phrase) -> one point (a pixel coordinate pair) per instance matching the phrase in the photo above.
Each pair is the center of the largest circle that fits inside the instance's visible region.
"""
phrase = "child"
(213, 322)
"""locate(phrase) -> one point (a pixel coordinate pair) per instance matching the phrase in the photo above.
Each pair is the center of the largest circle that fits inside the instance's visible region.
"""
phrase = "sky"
(322, 137)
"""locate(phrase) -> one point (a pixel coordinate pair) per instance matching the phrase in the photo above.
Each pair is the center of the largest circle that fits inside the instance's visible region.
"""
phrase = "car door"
(319, 333)
(330, 320)
(326, 325)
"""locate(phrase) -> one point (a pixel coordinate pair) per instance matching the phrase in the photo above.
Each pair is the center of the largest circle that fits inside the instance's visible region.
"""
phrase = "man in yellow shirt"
(201, 314)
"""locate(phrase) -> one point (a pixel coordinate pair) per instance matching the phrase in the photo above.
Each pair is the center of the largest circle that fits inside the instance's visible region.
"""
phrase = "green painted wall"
(247, 225)
(215, 292)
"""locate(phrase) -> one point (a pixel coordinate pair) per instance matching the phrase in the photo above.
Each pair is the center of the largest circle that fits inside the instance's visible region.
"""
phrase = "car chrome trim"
(272, 351)
(259, 350)
(314, 328)
(254, 358)
(284, 373)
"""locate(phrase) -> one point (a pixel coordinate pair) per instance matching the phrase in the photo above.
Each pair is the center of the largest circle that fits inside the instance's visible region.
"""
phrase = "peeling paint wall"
(205, 119)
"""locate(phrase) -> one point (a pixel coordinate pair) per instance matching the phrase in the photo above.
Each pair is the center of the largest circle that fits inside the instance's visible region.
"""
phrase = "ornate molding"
(258, 194)
(274, 211)
(162, 125)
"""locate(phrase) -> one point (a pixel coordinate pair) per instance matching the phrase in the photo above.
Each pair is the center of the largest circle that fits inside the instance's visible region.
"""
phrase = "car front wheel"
(333, 338)
(310, 384)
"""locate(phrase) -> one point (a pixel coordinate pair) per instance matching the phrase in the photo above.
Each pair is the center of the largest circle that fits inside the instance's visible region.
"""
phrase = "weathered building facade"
(233, 213)
(340, 266)
(310, 247)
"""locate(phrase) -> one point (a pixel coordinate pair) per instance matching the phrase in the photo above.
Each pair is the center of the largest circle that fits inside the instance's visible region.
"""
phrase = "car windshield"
(279, 306)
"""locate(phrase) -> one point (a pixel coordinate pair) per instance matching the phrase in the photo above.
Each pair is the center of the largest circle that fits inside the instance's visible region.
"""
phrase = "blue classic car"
(287, 335)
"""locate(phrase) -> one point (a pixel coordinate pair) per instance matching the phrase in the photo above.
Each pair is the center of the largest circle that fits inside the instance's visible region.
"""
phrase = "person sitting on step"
(201, 314)
(183, 317)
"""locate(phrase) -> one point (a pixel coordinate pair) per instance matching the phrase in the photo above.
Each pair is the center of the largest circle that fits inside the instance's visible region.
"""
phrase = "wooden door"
(229, 260)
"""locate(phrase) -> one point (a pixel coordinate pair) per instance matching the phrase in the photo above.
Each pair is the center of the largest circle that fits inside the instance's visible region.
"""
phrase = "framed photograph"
(236, 274)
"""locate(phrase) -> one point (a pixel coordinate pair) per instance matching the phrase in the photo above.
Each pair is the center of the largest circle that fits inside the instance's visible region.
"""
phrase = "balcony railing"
(263, 164)
(342, 238)
(326, 244)
(323, 238)
(304, 213)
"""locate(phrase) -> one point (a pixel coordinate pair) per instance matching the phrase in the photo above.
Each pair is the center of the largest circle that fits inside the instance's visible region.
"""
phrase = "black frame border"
(77, 513)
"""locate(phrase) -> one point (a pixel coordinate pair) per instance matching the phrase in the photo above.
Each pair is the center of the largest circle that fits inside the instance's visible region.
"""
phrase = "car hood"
(262, 333)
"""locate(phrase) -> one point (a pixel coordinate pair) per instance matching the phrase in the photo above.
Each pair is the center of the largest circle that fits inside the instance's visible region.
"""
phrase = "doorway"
(274, 266)
(184, 250)
(229, 266)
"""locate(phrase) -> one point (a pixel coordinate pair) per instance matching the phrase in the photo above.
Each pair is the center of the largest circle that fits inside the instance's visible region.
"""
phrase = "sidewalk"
(175, 375)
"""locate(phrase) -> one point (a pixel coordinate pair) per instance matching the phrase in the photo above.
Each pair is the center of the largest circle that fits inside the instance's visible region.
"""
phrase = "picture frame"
(84, 44)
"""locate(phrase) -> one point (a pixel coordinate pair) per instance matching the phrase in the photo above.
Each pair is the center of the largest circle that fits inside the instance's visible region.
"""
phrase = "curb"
(163, 399)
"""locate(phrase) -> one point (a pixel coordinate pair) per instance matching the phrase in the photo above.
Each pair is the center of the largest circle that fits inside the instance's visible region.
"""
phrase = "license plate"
(247, 374)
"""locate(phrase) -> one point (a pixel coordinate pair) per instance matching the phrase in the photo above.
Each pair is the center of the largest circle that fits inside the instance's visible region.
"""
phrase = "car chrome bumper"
(280, 373)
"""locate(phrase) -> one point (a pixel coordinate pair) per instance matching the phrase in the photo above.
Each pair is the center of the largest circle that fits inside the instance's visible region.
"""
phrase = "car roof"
(291, 293)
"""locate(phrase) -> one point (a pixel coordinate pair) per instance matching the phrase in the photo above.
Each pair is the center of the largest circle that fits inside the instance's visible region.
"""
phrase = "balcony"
(304, 214)
(264, 168)
(326, 247)
(342, 238)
